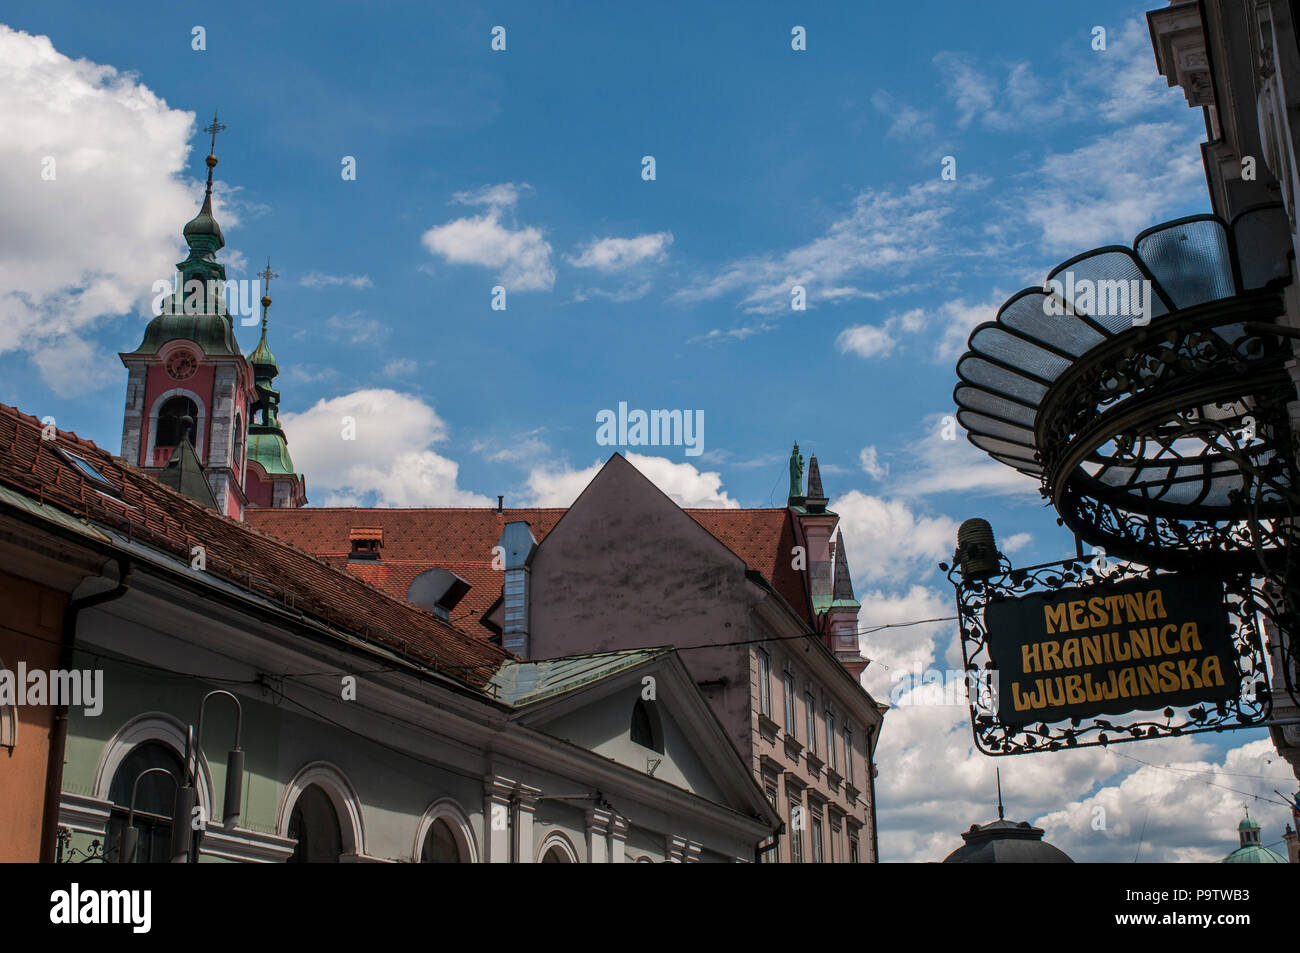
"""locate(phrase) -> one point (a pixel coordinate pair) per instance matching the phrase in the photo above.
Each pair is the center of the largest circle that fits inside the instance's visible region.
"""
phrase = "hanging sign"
(1140, 645)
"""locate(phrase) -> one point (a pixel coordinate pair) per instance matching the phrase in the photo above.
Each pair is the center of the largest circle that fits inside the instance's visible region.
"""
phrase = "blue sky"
(523, 168)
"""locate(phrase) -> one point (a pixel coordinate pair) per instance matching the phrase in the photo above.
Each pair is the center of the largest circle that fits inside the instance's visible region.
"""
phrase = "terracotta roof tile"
(265, 564)
(461, 540)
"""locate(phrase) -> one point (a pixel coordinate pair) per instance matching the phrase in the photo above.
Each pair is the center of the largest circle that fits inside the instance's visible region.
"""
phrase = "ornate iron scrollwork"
(1172, 446)
(1247, 603)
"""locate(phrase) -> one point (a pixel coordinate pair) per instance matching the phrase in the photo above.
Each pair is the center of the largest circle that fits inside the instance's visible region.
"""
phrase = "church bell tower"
(189, 382)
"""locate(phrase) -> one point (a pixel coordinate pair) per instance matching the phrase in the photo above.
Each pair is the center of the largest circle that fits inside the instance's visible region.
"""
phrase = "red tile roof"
(461, 540)
(265, 565)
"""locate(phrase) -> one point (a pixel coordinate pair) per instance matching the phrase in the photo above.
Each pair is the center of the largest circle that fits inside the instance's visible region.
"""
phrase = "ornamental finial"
(214, 127)
(266, 275)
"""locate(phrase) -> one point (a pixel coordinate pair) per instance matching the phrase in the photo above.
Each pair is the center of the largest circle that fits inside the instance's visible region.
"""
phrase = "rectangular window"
(853, 850)
(810, 712)
(796, 833)
(817, 840)
(789, 705)
(848, 754)
(764, 683)
(835, 843)
(772, 856)
(830, 741)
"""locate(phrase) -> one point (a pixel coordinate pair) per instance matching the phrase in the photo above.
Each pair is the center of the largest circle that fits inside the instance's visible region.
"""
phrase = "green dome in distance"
(1251, 850)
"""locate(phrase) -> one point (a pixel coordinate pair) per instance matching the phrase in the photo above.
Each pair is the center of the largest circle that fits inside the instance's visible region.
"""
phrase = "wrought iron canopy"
(1139, 387)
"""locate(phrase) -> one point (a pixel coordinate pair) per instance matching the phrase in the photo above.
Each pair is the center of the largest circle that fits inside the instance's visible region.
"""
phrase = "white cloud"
(884, 233)
(1110, 189)
(687, 487)
(949, 326)
(619, 254)
(866, 340)
(899, 650)
(972, 91)
(316, 279)
(389, 463)
(520, 256)
(72, 365)
(1186, 810)
(1127, 76)
(400, 367)
(957, 466)
(957, 319)
(871, 464)
(628, 292)
(308, 373)
(503, 195)
(1014, 542)
(908, 124)
(358, 329)
(890, 543)
(119, 157)
(518, 448)
(1113, 85)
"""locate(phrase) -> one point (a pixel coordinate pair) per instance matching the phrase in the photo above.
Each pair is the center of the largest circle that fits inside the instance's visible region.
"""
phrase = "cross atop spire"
(265, 367)
(202, 233)
(214, 127)
(266, 275)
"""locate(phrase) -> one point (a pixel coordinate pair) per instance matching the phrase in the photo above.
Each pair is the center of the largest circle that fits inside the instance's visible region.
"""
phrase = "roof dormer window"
(366, 542)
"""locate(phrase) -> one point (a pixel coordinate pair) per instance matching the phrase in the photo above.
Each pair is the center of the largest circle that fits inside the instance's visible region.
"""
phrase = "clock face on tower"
(181, 365)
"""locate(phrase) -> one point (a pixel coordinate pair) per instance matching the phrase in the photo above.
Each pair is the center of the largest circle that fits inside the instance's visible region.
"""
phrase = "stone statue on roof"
(796, 473)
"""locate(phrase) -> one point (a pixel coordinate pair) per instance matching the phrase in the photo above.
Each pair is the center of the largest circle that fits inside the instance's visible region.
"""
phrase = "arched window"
(314, 824)
(444, 835)
(555, 848)
(440, 845)
(646, 730)
(169, 429)
(238, 461)
(154, 802)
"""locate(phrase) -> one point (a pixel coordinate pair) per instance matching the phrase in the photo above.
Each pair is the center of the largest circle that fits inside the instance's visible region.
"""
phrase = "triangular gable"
(184, 474)
(593, 709)
(623, 546)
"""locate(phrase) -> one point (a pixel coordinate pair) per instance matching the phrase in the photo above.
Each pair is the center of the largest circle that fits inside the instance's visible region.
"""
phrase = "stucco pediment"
(596, 713)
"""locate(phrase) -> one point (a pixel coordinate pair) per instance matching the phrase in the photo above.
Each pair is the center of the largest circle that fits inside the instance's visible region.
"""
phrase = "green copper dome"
(269, 448)
(263, 361)
(202, 231)
(213, 333)
(1251, 850)
(1254, 854)
(203, 225)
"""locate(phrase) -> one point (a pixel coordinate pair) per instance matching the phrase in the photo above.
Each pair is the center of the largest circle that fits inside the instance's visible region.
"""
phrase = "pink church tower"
(188, 379)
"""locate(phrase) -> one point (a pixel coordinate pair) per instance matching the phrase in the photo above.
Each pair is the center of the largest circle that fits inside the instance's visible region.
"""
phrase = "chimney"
(500, 503)
(518, 544)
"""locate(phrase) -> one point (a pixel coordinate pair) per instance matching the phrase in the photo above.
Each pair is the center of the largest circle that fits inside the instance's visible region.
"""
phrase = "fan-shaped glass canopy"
(1140, 384)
